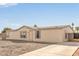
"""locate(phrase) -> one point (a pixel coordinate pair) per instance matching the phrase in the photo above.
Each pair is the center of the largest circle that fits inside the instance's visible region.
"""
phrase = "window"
(23, 35)
(69, 35)
(37, 34)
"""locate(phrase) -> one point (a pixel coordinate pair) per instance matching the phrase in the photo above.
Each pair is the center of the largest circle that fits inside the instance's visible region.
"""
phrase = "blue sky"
(16, 15)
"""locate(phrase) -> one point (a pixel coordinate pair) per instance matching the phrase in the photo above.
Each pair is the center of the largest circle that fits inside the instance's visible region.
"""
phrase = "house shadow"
(16, 41)
(25, 41)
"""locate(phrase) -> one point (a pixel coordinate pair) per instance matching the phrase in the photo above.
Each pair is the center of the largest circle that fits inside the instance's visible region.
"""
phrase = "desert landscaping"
(20, 47)
(15, 48)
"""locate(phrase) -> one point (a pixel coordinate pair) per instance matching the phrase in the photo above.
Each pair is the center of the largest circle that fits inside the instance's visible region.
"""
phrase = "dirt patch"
(8, 48)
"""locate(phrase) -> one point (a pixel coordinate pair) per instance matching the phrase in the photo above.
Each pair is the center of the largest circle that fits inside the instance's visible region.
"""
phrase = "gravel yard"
(15, 48)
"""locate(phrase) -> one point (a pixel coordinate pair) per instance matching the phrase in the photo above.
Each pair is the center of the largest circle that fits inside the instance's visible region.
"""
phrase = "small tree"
(5, 29)
(35, 25)
(72, 24)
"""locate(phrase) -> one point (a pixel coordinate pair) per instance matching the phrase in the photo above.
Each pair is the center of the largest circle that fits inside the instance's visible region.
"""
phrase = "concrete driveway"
(69, 43)
(63, 49)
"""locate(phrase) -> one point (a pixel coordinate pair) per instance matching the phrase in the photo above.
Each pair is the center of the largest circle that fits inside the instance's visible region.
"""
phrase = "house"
(51, 34)
(76, 29)
(76, 32)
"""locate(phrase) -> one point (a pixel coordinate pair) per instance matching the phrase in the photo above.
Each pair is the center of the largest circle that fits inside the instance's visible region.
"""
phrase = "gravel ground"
(15, 48)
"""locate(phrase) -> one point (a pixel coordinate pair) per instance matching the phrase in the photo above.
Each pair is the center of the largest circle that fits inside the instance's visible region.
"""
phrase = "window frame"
(38, 34)
(23, 34)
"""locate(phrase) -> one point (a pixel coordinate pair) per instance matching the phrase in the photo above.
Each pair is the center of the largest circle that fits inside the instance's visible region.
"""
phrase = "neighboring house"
(76, 30)
(46, 34)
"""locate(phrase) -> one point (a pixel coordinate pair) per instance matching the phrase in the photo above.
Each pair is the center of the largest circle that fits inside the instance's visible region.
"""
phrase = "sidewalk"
(53, 50)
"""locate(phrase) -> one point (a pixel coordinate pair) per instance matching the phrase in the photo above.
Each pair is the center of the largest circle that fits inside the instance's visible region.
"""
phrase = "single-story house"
(51, 34)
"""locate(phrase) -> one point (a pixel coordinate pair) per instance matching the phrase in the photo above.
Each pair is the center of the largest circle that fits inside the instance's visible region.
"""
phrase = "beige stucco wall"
(53, 35)
(67, 30)
(16, 34)
(50, 35)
